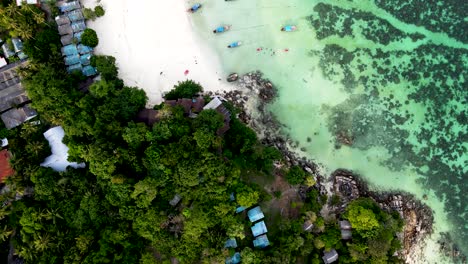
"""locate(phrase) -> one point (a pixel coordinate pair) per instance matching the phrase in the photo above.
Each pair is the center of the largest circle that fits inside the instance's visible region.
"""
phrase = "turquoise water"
(391, 80)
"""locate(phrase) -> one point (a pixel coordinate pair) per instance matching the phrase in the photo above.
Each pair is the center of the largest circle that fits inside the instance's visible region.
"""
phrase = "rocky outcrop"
(253, 96)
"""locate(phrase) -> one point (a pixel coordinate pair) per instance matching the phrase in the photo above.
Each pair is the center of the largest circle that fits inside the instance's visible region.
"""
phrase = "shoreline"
(253, 95)
(144, 57)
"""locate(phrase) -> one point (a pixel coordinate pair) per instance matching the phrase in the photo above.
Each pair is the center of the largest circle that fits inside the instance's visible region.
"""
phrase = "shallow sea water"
(356, 70)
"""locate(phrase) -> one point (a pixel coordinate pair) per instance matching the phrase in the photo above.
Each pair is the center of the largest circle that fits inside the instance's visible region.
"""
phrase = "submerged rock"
(232, 77)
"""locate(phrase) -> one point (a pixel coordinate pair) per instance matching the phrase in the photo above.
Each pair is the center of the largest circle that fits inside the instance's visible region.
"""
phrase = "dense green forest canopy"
(117, 209)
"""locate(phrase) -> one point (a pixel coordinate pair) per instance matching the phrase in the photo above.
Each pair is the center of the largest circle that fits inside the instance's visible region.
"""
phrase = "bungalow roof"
(89, 71)
(66, 39)
(17, 44)
(72, 59)
(259, 229)
(255, 214)
(7, 51)
(68, 6)
(230, 243)
(78, 26)
(77, 35)
(75, 15)
(345, 224)
(197, 104)
(235, 259)
(76, 67)
(29, 2)
(261, 241)
(85, 59)
(62, 20)
(330, 256)
(65, 29)
(175, 200)
(3, 62)
(82, 49)
(69, 50)
(186, 104)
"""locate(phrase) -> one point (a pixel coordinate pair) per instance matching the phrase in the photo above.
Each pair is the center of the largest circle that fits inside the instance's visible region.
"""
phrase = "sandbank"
(154, 45)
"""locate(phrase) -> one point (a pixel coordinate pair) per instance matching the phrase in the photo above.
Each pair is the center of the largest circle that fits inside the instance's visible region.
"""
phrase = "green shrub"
(89, 38)
(88, 13)
(99, 11)
(296, 175)
(185, 89)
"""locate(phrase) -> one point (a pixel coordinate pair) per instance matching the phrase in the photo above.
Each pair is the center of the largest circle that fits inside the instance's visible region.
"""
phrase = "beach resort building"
(58, 161)
(15, 47)
(70, 25)
(191, 106)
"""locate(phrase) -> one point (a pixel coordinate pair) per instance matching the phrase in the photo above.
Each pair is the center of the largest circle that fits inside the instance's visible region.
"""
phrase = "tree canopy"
(89, 38)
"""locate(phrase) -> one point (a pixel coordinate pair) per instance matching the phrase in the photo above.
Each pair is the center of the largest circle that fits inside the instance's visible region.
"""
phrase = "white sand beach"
(154, 44)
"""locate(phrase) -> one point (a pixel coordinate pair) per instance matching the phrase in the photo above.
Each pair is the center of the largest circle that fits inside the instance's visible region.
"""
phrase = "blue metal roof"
(77, 35)
(17, 44)
(240, 209)
(259, 229)
(69, 50)
(75, 15)
(67, 7)
(78, 26)
(73, 59)
(230, 243)
(261, 241)
(82, 49)
(85, 59)
(76, 67)
(89, 71)
(236, 258)
(255, 214)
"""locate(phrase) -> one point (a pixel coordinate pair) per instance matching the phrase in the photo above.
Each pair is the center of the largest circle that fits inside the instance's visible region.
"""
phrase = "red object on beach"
(186, 72)
(286, 50)
(259, 49)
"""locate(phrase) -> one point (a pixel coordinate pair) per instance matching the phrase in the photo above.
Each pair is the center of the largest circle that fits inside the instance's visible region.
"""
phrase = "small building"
(17, 116)
(235, 259)
(307, 226)
(148, 116)
(88, 71)
(3, 62)
(217, 104)
(62, 20)
(261, 241)
(78, 26)
(69, 50)
(17, 45)
(259, 229)
(66, 39)
(255, 214)
(12, 92)
(58, 161)
(29, 2)
(7, 51)
(75, 15)
(72, 59)
(65, 7)
(74, 68)
(175, 200)
(85, 59)
(82, 49)
(77, 36)
(65, 29)
(4, 142)
(330, 256)
(230, 243)
(345, 227)
(5, 168)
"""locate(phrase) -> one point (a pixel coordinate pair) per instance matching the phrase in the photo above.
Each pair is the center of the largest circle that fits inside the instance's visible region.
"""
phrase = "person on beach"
(195, 7)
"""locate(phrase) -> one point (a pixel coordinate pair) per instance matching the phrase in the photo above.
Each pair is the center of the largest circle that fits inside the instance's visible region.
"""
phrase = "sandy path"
(154, 44)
